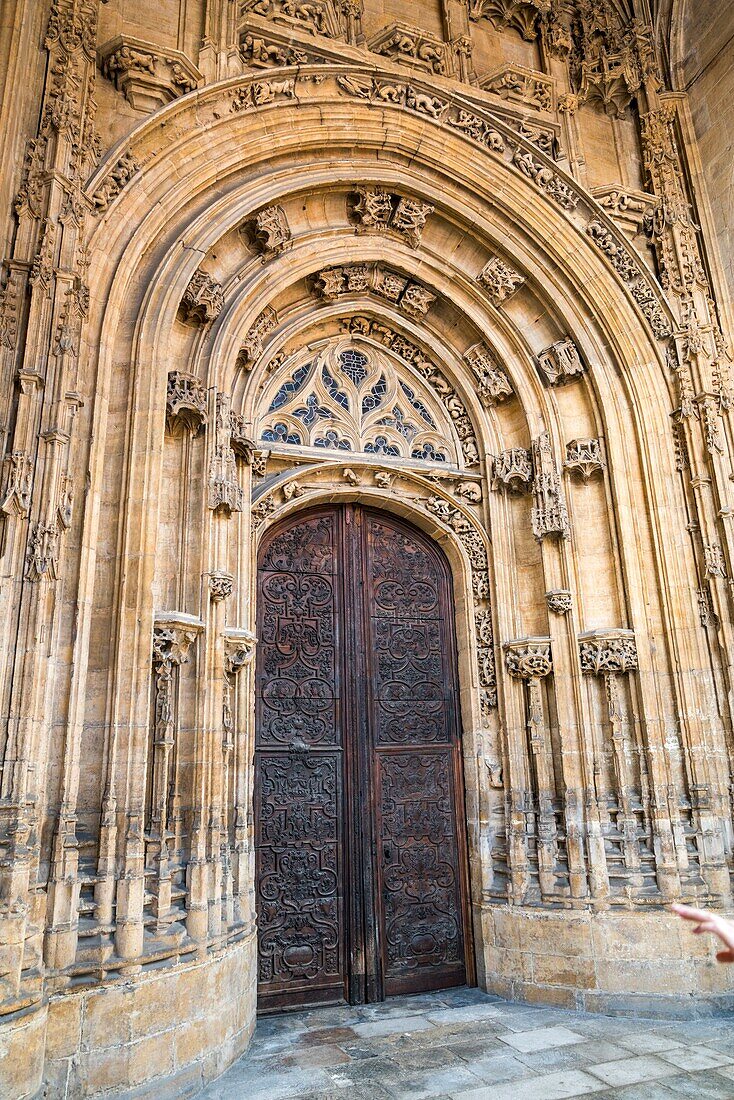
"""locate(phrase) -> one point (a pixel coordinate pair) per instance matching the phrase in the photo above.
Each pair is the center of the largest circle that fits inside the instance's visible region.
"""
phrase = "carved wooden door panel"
(420, 849)
(361, 879)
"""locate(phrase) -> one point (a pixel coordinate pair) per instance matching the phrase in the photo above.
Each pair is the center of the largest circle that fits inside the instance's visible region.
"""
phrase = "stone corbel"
(203, 299)
(561, 362)
(185, 401)
(518, 84)
(512, 470)
(269, 232)
(584, 458)
(148, 76)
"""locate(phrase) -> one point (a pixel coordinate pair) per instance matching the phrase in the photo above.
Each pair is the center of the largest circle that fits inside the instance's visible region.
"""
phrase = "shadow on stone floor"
(463, 1044)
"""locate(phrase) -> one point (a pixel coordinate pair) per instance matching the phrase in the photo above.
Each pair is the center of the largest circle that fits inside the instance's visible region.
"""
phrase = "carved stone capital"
(559, 601)
(608, 651)
(220, 585)
(529, 658)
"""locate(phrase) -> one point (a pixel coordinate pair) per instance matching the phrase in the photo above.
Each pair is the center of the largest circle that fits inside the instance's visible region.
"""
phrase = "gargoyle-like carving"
(584, 457)
(517, 84)
(185, 401)
(401, 42)
(561, 362)
(252, 345)
(499, 279)
(549, 516)
(608, 651)
(203, 299)
(492, 383)
(513, 470)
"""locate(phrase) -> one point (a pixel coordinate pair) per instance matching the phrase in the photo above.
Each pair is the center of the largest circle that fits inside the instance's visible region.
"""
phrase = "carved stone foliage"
(373, 208)
(529, 658)
(559, 601)
(499, 280)
(549, 516)
(584, 457)
(121, 172)
(411, 353)
(513, 470)
(401, 42)
(561, 362)
(492, 382)
(220, 585)
(354, 397)
(252, 345)
(605, 652)
(147, 76)
(517, 84)
(203, 299)
(407, 294)
(225, 493)
(269, 231)
(185, 401)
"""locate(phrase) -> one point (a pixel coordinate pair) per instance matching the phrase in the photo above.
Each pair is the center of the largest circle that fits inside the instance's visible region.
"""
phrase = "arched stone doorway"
(360, 835)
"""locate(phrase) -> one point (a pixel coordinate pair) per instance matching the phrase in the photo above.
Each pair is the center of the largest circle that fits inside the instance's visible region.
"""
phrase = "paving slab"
(544, 1038)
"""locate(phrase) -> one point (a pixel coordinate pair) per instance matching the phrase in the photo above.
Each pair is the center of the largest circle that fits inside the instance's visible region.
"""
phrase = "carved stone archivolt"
(411, 296)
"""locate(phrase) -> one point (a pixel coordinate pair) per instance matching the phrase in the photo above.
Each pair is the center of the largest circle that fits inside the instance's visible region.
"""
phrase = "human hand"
(710, 922)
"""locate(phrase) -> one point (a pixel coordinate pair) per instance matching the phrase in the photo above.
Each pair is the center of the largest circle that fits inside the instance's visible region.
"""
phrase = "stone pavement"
(467, 1045)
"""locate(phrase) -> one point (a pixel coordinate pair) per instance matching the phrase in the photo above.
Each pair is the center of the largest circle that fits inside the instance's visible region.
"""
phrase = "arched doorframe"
(478, 742)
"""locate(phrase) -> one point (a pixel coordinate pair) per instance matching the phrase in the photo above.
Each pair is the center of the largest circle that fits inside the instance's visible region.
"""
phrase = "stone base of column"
(166, 1033)
(617, 963)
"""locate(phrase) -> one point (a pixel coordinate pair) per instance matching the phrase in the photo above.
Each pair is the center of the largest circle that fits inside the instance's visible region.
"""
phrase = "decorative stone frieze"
(331, 18)
(185, 401)
(604, 652)
(413, 46)
(376, 209)
(559, 601)
(499, 280)
(492, 382)
(517, 84)
(513, 470)
(113, 182)
(561, 362)
(263, 53)
(147, 76)
(549, 515)
(203, 299)
(546, 179)
(252, 345)
(269, 231)
(584, 458)
(409, 295)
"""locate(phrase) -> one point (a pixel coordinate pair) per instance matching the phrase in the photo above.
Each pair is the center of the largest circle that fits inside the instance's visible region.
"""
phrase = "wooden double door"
(361, 867)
